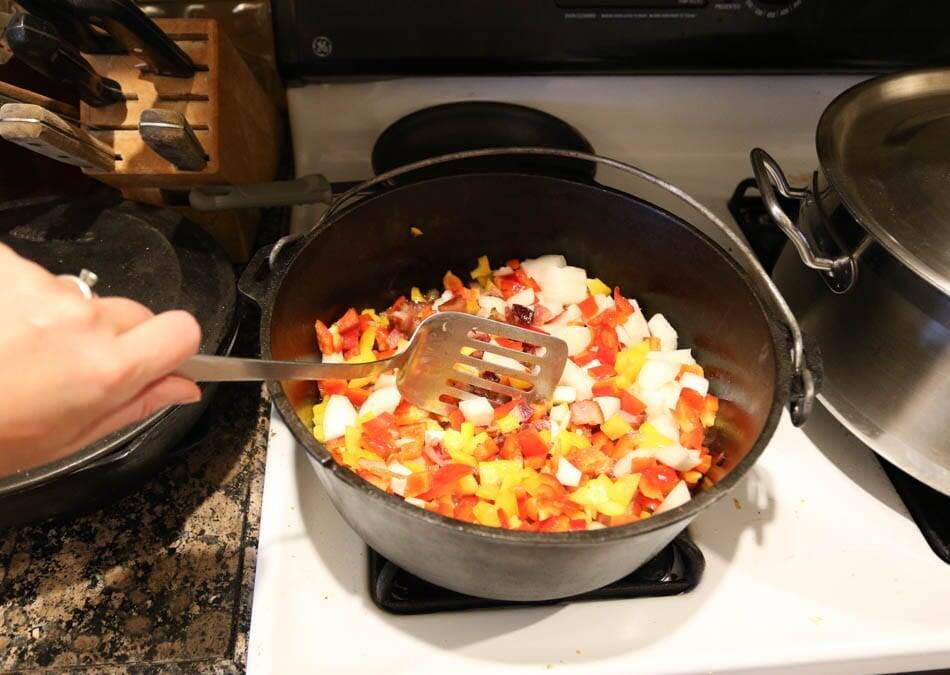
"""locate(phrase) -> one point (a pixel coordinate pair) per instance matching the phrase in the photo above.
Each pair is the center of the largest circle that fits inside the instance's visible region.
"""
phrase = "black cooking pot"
(362, 254)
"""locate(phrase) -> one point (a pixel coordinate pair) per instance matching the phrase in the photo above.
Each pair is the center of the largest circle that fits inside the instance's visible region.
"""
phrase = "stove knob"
(772, 9)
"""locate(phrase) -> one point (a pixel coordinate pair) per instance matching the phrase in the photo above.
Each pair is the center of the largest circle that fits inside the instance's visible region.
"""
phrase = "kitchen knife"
(42, 131)
(168, 133)
(36, 43)
(138, 33)
(12, 94)
(73, 30)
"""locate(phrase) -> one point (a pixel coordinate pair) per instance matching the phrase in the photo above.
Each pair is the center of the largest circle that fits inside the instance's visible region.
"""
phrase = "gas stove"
(813, 563)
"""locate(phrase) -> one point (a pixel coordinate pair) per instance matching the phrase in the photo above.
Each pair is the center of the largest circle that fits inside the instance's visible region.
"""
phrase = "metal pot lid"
(149, 254)
(884, 145)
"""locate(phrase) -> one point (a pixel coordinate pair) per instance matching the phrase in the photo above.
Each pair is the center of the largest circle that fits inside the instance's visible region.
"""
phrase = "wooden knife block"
(232, 116)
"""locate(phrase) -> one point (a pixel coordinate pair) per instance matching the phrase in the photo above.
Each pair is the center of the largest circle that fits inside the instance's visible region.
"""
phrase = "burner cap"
(473, 125)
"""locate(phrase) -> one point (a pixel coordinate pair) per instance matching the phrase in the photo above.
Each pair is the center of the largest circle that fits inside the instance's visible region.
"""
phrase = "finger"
(171, 390)
(122, 314)
(155, 348)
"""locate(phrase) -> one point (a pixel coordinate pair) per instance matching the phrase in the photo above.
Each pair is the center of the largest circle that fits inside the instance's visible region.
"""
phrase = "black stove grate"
(677, 569)
(929, 508)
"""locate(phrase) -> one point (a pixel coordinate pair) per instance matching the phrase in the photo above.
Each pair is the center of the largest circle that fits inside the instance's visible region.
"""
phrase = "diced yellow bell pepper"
(531, 481)
(593, 492)
(415, 465)
(692, 477)
(465, 368)
(452, 440)
(545, 435)
(610, 508)
(468, 433)
(488, 492)
(569, 440)
(629, 362)
(461, 457)
(416, 295)
(506, 502)
(360, 382)
(509, 423)
(597, 287)
(468, 485)
(492, 473)
(483, 269)
(623, 489)
(486, 514)
(650, 437)
(467, 351)
(519, 384)
(616, 427)
(318, 411)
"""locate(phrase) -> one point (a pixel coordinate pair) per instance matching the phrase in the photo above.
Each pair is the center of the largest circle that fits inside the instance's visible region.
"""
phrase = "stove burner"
(676, 570)
(929, 508)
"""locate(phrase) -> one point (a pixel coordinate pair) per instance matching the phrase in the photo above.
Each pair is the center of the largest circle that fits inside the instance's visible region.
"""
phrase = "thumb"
(169, 390)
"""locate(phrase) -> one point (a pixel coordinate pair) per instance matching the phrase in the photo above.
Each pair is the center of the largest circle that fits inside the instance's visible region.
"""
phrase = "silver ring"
(84, 282)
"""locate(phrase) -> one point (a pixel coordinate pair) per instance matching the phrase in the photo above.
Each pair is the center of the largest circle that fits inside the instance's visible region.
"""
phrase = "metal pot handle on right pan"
(840, 273)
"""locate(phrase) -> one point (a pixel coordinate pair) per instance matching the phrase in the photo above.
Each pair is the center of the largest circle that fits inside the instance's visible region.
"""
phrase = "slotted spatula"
(433, 366)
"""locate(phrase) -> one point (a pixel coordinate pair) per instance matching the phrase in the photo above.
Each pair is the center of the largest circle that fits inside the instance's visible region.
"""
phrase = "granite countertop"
(159, 580)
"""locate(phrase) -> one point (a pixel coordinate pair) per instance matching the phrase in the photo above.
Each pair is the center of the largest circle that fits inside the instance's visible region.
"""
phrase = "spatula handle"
(203, 368)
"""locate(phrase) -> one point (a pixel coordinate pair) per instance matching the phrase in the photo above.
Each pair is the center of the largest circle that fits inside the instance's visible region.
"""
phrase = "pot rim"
(318, 453)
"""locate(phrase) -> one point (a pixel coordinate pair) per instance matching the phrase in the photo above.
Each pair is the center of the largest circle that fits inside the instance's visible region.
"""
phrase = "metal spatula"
(435, 365)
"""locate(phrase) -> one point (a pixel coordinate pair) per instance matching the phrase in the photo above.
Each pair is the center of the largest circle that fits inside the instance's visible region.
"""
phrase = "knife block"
(234, 119)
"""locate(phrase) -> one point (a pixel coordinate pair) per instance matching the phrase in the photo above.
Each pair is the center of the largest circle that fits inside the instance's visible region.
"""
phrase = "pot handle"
(311, 189)
(839, 273)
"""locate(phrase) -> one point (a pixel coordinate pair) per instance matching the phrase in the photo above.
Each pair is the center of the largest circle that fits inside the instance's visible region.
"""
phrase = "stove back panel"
(370, 38)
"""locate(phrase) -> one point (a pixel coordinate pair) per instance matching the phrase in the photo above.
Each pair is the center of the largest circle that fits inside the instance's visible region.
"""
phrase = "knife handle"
(36, 43)
(71, 28)
(45, 132)
(168, 133)
(138, 33)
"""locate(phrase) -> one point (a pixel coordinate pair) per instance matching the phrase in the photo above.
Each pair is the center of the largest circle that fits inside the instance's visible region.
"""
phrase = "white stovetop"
(814, 566)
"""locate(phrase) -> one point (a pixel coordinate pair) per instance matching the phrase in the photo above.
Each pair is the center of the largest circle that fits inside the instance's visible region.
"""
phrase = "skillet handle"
(839, 273)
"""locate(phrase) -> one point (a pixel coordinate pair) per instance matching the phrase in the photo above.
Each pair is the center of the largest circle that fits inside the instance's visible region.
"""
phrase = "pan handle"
(840, 273)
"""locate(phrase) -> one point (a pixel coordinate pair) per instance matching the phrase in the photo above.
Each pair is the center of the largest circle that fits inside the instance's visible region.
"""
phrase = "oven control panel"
(369, 38)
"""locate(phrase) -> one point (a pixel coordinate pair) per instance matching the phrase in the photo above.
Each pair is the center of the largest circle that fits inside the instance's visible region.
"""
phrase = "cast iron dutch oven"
(362, 254)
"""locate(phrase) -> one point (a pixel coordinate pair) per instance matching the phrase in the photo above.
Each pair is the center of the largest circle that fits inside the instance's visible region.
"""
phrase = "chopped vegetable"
(623, 438)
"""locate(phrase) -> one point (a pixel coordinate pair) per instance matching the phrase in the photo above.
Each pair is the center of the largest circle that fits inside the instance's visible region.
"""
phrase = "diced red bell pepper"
(691, 399)
(509, 449)
(384, 423)
(555, 524)
(603, 371)
(525, 280)
(606, 318)
(531, 443)
(456, 418)
(604, 388)
(510, 344)
(487, 450)
(514, 263)
(324, 338)
(397, 303)
(418, 483)
(584, 357)
(624, 308)
(445, 479)
(465, 508)
(357, 396)
(657, 481)
(351, 339)
(349, 321)
(452, 283)
(388, 353)
(588, 307)
(578, 524)
(331, 387)
(365, 321)
(503, 518)
(631, 404)
(506, 408)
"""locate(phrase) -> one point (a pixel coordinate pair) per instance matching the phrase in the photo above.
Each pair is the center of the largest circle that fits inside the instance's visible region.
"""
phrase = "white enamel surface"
(812, 566)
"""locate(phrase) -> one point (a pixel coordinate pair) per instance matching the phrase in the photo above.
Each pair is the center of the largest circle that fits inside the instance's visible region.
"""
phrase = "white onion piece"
(398, 486)
(524, 297)
(564, 394)
(576, 377)
(385, 380)
(577, 337)
(624, 465)
(677, 457)
(338, 415)
(665, 424)
(678, 496)
(636, 329)
(335, 357)
(695, 382)
(560, 415)
(490, 302)
(415, 501)
(499, 360)
(381, 401)
(477, 410)
(570, 314)
(661, 328)
(434, 436)
(654, 374)
(554, 308)
(568, 475)
(604, 302)
(503, 270)
(399, 468)
(609, 405)
(594, 525)
(564, 285)
(540, 265)
(444, 298)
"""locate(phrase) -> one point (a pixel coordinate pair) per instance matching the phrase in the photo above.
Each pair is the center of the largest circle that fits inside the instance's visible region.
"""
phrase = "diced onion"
(564, 394)
(578, 378)
(577, 337)
(444, 298)
(490, 302)
(338, 415)
(477, 410)
(385, 380)
(398, 486)
(434, 436)
(381, 401)
(654, 374)
(678, 496)
(609, 405)
(636, 329)
(695, 382)
(399, 469)
(682, 356)
(661, 328)
(677, 457)
(571, 313)
(568, 475)
(524, 297)
(335, 357)
(499, 360)
(415, 501)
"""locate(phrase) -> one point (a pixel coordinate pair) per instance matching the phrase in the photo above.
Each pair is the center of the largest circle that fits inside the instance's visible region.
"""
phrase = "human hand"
(73, 370)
